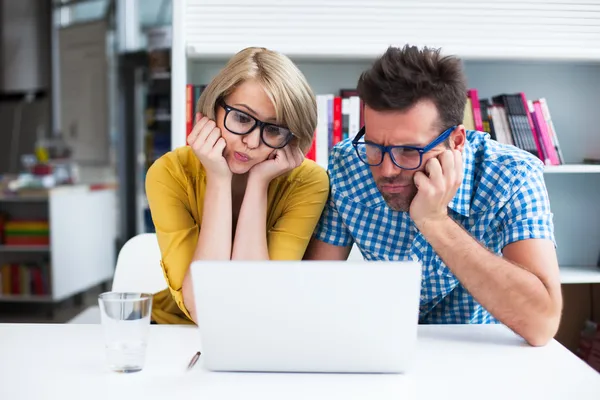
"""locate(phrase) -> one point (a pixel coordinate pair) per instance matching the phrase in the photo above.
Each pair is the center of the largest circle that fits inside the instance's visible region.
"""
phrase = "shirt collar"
(461, 203)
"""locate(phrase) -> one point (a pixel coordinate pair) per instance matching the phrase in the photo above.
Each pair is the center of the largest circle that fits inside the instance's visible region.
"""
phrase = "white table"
(453, 362)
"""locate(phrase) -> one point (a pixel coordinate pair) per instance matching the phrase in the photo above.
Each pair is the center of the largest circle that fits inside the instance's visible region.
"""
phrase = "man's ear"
(458, 138)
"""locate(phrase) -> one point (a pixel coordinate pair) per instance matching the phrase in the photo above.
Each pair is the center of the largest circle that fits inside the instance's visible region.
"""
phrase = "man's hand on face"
(436, 187)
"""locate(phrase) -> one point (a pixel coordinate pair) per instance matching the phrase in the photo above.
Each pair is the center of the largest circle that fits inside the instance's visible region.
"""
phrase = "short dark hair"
(402, 77)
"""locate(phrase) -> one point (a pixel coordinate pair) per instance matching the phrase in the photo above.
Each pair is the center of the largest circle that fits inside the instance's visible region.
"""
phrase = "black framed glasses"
(241, 123)
(405, 157)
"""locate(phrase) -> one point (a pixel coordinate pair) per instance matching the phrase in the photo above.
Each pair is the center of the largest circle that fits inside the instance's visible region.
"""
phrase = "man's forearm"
(512, 294)
(250, 241)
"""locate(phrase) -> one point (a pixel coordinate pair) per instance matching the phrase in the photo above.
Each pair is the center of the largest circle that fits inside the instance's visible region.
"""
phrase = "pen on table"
(194, 360)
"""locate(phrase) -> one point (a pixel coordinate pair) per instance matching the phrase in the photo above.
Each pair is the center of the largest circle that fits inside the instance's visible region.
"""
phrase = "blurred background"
(85, 93)
(92, 92)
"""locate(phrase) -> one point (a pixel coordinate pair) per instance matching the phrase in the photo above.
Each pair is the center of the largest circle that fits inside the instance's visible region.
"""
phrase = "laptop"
(307, 316)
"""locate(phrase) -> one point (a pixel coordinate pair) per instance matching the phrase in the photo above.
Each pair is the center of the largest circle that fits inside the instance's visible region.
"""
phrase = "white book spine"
(322, 139)
(354, 125)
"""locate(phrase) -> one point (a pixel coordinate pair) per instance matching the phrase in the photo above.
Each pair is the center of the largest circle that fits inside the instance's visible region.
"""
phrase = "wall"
(24, 67)
(34, 116)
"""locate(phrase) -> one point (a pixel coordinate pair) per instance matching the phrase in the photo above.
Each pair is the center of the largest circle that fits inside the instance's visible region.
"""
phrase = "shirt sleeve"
(331, 228)
(176, 229)
(527, 214)
(289, 237)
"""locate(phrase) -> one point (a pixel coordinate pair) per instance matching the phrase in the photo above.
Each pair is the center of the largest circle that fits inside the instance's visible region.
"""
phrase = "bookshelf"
(80, 244)
(573, 274)
(572, 169)
(560, 61)
(547, 49)
(10, 298)
(23, 249)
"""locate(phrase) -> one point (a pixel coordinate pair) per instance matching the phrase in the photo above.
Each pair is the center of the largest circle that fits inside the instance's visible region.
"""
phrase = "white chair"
(138, 266)
(138, 270)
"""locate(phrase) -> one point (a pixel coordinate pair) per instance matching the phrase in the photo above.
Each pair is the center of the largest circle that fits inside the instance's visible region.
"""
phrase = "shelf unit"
(550, 49)
(82, 250)
(572, 274)
(23, 249)
(9, 298)
(573, 169)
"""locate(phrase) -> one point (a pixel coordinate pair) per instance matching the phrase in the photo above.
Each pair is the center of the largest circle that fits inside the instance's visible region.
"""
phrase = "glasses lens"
(369, 153)
(406, 158)
(239, 122)
(276, 136)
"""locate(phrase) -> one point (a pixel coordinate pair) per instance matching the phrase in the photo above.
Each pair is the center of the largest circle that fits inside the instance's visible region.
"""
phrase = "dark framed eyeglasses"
(405, 157)
(239, 122)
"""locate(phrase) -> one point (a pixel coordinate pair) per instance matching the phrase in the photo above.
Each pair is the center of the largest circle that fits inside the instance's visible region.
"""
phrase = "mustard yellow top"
(175, 187)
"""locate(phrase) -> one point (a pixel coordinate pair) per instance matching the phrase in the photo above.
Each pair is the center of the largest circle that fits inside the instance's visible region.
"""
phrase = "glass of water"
(126, 324)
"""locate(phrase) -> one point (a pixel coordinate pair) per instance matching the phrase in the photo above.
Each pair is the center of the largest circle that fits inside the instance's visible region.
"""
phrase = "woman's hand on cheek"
(208, 145)
(279, 162)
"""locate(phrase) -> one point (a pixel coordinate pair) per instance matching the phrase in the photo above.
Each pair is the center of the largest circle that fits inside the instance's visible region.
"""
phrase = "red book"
(27, 240)
(312, 152)
(474, 96)
(534, 132)
(544, 134)
(189, 109)
(15, 276)
(37, 282)
(337, 120)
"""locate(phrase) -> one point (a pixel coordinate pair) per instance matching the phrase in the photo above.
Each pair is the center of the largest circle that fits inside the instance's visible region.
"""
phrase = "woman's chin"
(238, 168)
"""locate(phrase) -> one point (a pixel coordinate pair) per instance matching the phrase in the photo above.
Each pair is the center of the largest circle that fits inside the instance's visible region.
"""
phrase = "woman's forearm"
(214, 240)
(250, 241)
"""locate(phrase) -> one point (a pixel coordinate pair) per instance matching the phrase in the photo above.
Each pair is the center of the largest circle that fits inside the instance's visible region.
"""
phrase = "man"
(474, 212)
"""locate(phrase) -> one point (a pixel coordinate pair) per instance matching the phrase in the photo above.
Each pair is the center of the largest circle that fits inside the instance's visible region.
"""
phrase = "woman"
(242, 189)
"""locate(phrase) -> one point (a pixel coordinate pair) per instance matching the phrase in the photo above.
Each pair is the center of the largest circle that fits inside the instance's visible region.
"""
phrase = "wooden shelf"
(573, 169)
(23, 249)
(572, 274)
(22, 199)
(17, 298)
(160, 75)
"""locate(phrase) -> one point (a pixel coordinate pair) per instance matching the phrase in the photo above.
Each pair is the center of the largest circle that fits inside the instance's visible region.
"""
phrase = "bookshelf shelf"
(573, 169)
(579, 274)
(22, 199)
(23, 249)
(24, 298)
(160, 75)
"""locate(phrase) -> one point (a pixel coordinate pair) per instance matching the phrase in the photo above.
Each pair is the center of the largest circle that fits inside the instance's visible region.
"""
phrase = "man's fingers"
(434, 170)
(422, 182)
(447, 163)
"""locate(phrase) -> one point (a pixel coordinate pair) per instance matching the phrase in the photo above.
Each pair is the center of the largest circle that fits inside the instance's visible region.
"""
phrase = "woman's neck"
(238, 186)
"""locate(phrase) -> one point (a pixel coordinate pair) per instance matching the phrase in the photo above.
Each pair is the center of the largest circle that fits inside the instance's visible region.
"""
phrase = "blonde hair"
(294, 101)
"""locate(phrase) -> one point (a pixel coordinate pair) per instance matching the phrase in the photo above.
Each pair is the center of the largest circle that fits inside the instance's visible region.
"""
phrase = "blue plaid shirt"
(502, 199)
